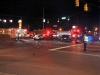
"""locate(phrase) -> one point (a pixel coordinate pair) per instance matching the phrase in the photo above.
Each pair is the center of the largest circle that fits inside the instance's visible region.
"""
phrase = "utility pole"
(21, 22)
(99, 24)
(86, 24)
(77, 22)
(43, 18)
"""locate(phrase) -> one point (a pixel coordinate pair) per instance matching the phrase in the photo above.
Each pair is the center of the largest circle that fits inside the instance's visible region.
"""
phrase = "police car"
(38, 37)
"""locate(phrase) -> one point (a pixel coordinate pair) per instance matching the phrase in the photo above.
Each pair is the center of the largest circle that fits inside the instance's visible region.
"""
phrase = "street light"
(10, 21)
(4, 21)
(96, 28)
(60, 29)
(0, 19)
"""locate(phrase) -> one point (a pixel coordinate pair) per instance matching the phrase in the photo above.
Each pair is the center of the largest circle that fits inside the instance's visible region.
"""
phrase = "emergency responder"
(85, 39)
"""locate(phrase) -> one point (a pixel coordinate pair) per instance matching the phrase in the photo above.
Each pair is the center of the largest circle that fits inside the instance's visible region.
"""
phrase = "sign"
(54, 25)
(63, 18)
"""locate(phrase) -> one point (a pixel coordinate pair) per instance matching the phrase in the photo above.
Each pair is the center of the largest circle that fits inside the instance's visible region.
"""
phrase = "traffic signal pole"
(43, 18)
(99, 24)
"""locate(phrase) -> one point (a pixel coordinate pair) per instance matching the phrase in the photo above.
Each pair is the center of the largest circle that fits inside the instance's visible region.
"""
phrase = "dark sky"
(31, 12)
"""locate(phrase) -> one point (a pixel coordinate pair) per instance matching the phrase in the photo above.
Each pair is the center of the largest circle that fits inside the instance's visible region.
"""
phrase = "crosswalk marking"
(61, 47)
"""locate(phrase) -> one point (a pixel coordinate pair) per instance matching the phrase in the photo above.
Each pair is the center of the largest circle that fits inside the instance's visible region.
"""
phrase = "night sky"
(31, 12)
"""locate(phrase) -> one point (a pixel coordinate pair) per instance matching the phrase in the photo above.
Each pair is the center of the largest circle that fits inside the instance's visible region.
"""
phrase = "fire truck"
(76, 35)
(47, 33)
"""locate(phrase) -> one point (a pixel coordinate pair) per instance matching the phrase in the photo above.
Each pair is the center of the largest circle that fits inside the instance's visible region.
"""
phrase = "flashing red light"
(78, 30)
(48, 32)
(43, 34)
(25, 30)
(74, 30)
(73, 35)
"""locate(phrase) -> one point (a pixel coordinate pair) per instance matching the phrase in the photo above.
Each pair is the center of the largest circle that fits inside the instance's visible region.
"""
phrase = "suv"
(64, 38)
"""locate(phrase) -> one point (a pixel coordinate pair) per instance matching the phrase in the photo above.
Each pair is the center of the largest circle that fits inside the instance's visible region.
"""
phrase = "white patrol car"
(38, 37)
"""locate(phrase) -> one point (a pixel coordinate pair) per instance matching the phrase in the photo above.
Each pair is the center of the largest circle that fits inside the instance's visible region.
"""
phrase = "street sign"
(54, 25)
(63, 18)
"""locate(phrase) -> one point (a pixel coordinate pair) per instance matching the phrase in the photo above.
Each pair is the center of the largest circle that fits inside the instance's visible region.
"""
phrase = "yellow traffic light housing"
(77, 3)
(86, 7)
(20, 24)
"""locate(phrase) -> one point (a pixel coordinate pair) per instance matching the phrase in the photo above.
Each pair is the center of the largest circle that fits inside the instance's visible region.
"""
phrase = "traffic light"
(68, 18)
(86, 7)
(47, 21)
(20, 24)
(77, 3)
(58, 20)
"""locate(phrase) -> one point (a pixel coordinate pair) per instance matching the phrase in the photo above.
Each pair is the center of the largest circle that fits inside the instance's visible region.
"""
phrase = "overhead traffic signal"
(20, 24)
(77, 3)
(47, 21)
(86, 7)
(68, 18)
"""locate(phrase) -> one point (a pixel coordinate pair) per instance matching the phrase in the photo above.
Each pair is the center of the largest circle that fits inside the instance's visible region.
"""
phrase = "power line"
(90, 4)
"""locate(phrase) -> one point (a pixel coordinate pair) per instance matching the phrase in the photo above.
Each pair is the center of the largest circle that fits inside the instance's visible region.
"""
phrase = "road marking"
(8, 74)
(81, 53)
(54, 49)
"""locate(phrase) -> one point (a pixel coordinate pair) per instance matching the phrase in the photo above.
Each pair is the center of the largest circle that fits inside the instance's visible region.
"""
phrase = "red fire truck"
(76, 35)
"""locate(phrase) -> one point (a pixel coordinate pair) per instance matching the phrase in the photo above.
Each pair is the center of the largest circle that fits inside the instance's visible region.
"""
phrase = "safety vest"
(85, 38)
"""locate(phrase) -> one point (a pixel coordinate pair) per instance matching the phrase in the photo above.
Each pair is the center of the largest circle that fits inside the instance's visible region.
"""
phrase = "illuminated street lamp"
(10, 21)
(4, 21)
(0, 19)
(96, 29)
(60, 29)
(74, 26)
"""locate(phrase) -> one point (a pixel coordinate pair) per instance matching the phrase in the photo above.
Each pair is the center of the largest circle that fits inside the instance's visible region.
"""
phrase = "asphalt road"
(53, 58)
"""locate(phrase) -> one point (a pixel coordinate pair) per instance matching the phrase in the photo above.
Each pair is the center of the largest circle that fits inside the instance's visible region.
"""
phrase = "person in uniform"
(85, 39)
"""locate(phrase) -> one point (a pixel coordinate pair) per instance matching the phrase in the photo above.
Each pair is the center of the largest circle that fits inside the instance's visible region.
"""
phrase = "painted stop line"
(54, 49)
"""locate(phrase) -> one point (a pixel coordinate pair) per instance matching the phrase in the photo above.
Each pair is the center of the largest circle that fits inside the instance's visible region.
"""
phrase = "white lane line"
(54, 49)
(81, 53)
